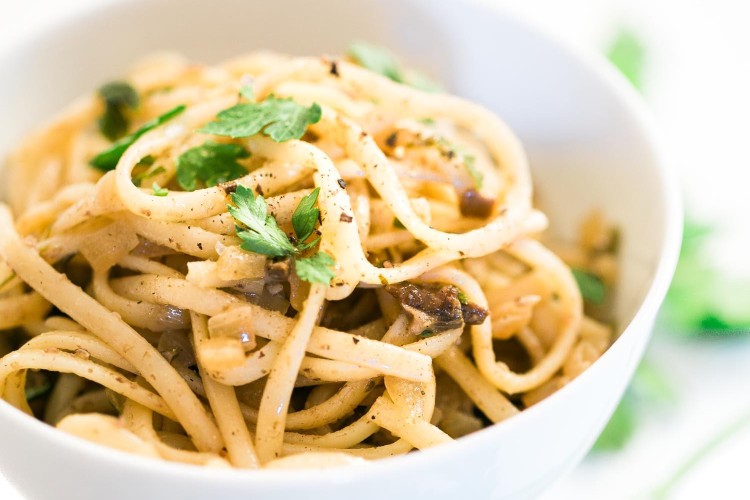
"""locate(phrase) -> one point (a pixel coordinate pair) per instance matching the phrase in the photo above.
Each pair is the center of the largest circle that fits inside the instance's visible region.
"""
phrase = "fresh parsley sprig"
(305, 216)
(117, 97)
(107, 160)
(210, 164)
(382, 61)
(279, 119)
(592, 288)
(316, 268)
(158, 190)
(260, 233)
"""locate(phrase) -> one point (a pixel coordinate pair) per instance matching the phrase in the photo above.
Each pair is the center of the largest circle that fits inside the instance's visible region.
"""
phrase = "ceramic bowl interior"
(590, 143)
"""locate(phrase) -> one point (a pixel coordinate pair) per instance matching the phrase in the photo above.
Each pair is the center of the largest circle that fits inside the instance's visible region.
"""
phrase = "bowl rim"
(592, 63)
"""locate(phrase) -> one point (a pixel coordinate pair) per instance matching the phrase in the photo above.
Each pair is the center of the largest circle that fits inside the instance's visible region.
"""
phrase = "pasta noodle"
(358, 276)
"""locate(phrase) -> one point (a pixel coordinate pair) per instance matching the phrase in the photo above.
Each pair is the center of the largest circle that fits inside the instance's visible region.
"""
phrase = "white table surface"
(697, 85)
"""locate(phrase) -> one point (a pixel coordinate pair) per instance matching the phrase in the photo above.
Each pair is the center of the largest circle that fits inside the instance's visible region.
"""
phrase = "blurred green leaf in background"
(628, 54)
(704, 300)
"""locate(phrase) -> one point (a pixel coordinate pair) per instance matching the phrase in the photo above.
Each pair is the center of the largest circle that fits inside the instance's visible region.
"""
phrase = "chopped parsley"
(158, 190)
(468, 159)
(279, 119)
(377, 59)
(118, 97)
(37, 387)
(305, 216)
(246, 91)
(592, 288)
(476, 175)
(210, 164)
(147, 174)
(107, 160)
(315, 269)
(382, 61)
(260, 233)
(8, 279)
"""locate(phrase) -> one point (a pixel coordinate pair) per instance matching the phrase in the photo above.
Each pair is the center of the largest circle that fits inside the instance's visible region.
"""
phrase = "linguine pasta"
(373, 285)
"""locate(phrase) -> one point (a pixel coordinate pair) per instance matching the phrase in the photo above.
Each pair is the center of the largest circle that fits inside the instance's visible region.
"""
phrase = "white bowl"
(591, 144)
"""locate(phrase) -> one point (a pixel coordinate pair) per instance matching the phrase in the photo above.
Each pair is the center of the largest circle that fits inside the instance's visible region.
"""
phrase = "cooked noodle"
(170, 341)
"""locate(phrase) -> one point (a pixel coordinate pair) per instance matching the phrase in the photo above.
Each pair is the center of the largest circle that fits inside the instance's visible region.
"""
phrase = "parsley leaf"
(38, 390)
(279, 119)
(158, 190)
(107, 160)
(476, 175)
(628, 55)
(211, 164)
(8, 279)
(263, 234)
(305, 216)
(246, 91)
(377, 59)
(592, 288)
(138, 179)
(117, 97)
(315, 269)
(453, 150)
(382, 61)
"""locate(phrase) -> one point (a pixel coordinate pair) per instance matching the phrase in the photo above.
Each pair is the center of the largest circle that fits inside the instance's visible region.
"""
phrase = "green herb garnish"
(261, 233)
(107, 160)
(451, 150)
(382, 61)
(138, 179)
(315, 269)
(8, 279)
(305, 216)
(158, 190)
(117, 97)
(476, 175)
(246, 91)
(38, 390)
(592, 288)
(377, 59)
(279, 119)
(210, 164)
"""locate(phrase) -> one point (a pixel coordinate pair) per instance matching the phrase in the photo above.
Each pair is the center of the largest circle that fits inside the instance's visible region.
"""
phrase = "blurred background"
(683, 428)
